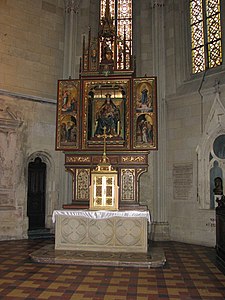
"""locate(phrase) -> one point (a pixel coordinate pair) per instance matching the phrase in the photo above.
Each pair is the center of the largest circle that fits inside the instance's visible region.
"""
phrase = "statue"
(221, 202)
(218, 190)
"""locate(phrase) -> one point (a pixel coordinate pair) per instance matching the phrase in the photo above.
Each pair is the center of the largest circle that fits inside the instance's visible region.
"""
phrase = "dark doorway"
(36, 194)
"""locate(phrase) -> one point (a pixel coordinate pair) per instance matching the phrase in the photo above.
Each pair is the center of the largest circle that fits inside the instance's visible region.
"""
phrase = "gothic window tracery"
(121, 13)
(206, 42)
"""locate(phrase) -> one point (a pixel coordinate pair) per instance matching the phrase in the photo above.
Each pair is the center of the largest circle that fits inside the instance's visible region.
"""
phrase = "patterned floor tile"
(190, 272)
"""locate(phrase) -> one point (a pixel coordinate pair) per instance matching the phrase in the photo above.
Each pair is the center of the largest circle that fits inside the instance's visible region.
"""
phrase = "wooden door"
(36, 194)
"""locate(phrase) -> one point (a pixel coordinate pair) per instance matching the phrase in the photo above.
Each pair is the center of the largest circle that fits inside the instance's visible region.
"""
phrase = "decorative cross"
(104, 159)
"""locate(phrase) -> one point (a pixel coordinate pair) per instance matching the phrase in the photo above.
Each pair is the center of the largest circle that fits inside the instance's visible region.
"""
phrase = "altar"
(106, 107)
(104, 231)
(106, 96)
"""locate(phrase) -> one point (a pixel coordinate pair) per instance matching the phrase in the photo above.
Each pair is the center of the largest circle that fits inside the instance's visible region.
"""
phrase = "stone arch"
(50, 183)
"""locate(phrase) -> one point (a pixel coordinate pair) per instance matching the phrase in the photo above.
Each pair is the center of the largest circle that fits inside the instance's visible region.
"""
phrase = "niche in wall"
(211, 157)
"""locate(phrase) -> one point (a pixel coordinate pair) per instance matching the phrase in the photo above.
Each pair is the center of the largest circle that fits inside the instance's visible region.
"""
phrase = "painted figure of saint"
(144, 129)
(68, 129)
(69, 102)
(108, 116)
(65, 99)
(144, 97)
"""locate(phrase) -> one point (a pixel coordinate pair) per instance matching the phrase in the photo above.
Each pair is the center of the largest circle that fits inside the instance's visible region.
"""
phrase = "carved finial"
(107, 29)
(107, 10)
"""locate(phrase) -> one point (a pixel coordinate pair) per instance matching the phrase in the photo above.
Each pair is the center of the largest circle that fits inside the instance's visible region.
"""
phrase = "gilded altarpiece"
(126, 108)
(107, 106)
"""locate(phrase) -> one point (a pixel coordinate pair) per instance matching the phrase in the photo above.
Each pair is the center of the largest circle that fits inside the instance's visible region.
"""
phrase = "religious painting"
(67, 114)
(145, 113)
(106, 105)
(108, 113)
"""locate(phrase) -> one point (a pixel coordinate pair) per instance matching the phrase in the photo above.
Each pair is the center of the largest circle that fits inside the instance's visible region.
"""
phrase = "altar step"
(42, 233)
(155, 258)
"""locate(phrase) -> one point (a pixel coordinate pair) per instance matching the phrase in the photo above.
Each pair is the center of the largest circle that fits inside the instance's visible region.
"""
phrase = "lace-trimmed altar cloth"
(102, 214)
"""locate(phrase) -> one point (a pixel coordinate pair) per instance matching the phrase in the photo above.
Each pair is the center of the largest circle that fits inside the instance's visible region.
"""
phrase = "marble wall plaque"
(182, 180)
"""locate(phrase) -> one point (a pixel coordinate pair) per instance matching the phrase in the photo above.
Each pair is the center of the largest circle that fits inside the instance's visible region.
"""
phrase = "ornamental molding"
(133, 159)
(79, 159)
(72, 6)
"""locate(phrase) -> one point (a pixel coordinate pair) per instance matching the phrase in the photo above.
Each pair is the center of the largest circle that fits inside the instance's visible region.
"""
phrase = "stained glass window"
(205, 34)
(121, 12)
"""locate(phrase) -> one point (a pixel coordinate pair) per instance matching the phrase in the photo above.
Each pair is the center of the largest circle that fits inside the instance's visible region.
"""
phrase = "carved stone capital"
(72, 6)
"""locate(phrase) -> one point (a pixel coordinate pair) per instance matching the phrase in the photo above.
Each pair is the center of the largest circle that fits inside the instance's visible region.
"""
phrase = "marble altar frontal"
(108, 231)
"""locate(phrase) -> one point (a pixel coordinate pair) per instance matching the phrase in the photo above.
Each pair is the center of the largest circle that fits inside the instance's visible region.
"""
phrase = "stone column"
(160, 226)
(71, 62)
(70, 70)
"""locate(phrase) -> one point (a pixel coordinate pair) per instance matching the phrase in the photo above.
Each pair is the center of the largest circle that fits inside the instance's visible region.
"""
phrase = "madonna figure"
(108, 116)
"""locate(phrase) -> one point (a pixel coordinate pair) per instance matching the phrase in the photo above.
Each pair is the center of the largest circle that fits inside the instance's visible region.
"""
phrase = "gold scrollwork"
(74, 159)
(133, 159)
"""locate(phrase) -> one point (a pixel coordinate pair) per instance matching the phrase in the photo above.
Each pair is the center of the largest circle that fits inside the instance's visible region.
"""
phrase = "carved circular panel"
(128, 232)
(219, 146)
(101, 232)
(73, 230)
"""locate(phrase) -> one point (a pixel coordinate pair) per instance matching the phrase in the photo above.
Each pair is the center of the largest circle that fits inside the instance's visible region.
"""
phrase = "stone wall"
(31, 62)
(32, 42)
(27, 130)
(189, 100)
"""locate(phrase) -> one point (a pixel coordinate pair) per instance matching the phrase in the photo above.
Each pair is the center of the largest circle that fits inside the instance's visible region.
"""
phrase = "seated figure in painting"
(108, 116)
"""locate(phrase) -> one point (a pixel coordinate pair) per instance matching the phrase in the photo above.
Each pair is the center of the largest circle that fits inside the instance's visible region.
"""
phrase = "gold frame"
(67, 128)
(145, 114)
(101, 87)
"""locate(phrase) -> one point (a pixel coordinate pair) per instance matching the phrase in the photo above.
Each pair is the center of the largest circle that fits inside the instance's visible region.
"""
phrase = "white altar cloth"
(101, 214)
